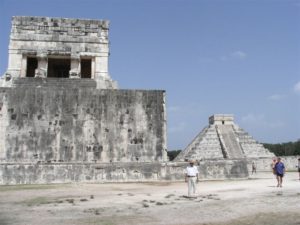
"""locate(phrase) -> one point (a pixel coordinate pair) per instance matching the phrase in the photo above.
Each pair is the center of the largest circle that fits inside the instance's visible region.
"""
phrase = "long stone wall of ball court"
(73, 122)
(44, 173)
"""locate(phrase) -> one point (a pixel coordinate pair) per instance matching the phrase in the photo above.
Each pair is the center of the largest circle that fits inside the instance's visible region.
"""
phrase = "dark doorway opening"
(32, 64)
(86, 68)
(223, 122)
(59, 68)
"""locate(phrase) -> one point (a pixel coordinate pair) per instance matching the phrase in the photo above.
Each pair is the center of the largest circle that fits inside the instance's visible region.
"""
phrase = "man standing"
(253, 167)
(274, 161)
(279, 170)
(299, 167)
(191, 177)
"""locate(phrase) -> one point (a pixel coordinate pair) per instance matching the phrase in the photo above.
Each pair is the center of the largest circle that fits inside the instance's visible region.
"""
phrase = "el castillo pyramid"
(223, 139)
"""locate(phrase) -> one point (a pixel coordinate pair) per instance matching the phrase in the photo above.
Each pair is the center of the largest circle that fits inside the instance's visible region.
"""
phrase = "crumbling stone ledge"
(43, 173)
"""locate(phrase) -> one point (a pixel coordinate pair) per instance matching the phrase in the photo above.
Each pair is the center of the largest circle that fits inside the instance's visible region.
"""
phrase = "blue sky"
(214, 56)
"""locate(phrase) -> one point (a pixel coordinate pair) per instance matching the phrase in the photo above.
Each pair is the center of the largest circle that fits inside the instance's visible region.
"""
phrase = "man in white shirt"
(191, 177)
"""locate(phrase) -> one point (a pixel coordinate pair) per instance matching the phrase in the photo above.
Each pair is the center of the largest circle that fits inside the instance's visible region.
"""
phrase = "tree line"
(281, 149)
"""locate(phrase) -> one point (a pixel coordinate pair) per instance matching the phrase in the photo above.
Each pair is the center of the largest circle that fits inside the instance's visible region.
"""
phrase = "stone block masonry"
(264, 164)
(45, 173)
(59, 47)
(76, 123)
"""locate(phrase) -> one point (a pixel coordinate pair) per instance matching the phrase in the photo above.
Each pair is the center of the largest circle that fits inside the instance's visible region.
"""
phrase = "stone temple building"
(223, 139)
(44, 47)
(61, 114)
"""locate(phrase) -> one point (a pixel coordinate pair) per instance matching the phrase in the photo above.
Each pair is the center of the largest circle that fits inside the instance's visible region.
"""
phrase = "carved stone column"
(23, 66)
(101, 66)
(75, 66)
(41, 70)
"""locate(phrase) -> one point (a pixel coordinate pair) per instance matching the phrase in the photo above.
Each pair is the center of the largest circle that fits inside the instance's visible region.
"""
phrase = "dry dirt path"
(252, 201)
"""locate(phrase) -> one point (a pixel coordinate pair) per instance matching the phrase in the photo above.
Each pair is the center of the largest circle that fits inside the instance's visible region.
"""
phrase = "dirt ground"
(253, 201)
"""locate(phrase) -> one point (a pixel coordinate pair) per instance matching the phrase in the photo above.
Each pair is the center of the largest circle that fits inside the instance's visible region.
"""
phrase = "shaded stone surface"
(43, 173)
(76, 123)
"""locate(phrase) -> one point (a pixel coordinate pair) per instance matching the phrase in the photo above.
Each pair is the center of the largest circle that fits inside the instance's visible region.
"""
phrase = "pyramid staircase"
(223, 139)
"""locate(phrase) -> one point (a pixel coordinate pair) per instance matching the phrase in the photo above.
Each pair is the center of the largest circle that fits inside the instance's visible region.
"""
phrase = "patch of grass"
(96, 211)
(71, 200)
(291, 218)
(116, 220)
(6, 220)
(47, 200)
(161, 183)
(37, 201)
(145, 205)
(23, 187)
(170, 195)
(98, 221)
(107, 222)
(160, 203)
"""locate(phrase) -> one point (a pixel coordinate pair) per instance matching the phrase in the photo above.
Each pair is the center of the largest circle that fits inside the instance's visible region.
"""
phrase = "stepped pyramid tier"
(223, 139)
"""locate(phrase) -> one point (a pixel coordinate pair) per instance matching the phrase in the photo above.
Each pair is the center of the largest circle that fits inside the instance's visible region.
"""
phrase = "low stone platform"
(42, 173)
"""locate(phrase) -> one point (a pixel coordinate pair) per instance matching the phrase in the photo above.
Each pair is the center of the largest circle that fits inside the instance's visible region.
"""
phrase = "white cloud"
(177, 128)
(204, 60)
(252, 118)
(224, 58)
(297, 87)
(276, 97)
(173, 108)
(276, 124)
(260, 120)
(236, 55)
(239, 54)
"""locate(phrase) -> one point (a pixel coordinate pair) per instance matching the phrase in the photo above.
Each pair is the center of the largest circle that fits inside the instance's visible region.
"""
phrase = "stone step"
(53, 82)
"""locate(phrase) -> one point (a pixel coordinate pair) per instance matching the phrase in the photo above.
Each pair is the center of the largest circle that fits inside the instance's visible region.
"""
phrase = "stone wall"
(63, 120)
(43, 173)
(290, 162)
(264, 164)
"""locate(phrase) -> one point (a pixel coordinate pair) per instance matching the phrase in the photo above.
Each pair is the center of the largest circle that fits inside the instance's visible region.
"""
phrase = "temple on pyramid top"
(221, 119)
(223, 139)
(43, 47)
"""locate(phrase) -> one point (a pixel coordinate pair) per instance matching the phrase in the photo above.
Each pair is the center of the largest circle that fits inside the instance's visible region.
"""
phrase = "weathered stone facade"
(50, 121)
(75, 123)
(44, 173)
(59, 47)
